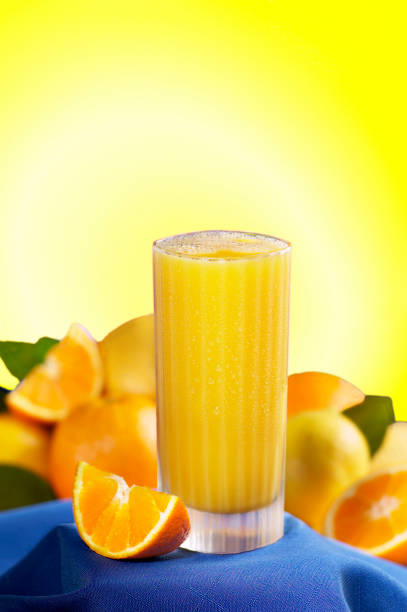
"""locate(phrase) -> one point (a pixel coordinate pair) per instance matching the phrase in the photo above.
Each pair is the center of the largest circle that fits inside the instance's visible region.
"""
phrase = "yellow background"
(122, 122)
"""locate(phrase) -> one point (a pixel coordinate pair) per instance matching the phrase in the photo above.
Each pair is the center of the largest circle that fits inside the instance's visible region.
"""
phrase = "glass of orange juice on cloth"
(221, 332)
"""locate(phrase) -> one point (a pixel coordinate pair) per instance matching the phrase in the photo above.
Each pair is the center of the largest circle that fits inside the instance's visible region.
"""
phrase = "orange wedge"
(121, 522)
(70, 375)
(372, 515)
(320, 391)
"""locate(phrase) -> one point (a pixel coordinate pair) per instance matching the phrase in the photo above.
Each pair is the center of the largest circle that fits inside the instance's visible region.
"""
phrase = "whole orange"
(117, 435)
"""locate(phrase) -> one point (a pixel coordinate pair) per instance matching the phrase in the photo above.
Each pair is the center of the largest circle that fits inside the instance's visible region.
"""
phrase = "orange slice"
(319, 391)
(70, 375)
(121, 522)
(372, 515)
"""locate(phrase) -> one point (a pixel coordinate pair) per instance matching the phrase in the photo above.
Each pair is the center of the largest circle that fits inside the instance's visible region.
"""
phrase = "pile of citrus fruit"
(92, 404)
(80, 402)
(347, 464)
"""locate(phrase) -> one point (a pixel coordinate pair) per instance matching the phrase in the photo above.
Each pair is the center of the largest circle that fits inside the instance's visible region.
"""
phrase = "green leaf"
(21, 357)
(3, 393)
(372, 416)
(20, 487)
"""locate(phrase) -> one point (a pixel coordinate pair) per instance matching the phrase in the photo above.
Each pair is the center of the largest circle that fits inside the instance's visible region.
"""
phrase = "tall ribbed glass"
(221, 328)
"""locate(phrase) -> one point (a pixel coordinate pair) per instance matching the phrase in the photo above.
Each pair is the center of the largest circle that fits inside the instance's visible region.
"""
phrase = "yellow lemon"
(326, 452)
(24, 444)
(128, 358)
(393, 450)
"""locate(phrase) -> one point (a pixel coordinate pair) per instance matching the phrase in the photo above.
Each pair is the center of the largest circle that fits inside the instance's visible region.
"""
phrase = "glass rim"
(285, 245)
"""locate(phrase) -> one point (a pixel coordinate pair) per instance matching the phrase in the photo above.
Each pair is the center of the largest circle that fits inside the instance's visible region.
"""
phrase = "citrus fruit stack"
(326, 451)
(83, 401)
(346, 465)
(94, 402)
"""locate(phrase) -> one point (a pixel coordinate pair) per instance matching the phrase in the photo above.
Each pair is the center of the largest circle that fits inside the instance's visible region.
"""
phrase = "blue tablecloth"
(44, 565)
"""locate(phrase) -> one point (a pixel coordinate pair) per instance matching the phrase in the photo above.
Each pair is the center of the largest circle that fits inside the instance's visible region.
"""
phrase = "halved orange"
(70, 375)
(319, 391)
(372, 515)
(120, 522)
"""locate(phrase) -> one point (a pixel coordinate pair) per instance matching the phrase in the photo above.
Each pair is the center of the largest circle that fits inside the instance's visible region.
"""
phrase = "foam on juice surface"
(220, 245)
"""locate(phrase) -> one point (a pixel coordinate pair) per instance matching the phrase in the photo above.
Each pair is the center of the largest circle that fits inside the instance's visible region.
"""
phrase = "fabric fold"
(304, 571)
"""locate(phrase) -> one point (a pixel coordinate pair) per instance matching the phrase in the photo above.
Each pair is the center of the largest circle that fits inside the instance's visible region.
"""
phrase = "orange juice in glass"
(221, 327)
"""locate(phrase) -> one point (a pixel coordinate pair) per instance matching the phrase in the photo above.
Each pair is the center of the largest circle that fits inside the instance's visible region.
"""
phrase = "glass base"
(234, 533)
